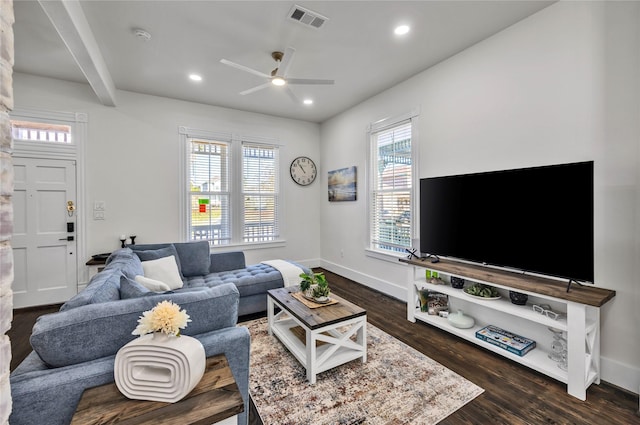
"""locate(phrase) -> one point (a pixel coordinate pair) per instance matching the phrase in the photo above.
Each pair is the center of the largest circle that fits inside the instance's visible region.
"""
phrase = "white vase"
(157, 367)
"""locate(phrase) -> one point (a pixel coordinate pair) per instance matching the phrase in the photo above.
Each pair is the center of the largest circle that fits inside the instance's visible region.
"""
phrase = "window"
(233, 190)
(260, 192)
(40, 132)
(391, 188)
(209, 202)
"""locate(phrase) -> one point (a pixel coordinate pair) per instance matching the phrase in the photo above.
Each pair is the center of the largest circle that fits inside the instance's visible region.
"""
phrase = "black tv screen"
(537, 220)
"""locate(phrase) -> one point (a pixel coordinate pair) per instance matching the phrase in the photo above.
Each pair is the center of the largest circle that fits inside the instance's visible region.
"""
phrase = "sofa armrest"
(97, 330)
(225, 261)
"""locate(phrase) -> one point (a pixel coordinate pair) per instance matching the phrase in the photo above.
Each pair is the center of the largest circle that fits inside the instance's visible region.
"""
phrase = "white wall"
(559, 86)
(132, 163)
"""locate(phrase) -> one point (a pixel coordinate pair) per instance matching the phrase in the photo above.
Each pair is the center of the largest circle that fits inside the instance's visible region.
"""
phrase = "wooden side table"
(215, 400)
(95, 266)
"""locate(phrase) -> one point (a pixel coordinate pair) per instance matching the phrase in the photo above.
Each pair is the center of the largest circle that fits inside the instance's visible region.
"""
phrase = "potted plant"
(315, 285)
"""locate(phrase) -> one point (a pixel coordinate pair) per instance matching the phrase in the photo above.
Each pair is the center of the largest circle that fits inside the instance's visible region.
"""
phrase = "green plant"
(317, 282)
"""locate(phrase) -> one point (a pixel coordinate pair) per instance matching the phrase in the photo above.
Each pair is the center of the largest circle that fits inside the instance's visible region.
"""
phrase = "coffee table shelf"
(333, 335)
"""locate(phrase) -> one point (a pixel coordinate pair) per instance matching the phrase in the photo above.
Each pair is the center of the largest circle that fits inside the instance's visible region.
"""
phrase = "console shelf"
(581, 326)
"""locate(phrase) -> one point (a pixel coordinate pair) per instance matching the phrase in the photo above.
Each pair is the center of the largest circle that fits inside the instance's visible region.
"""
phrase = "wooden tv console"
(581, 327)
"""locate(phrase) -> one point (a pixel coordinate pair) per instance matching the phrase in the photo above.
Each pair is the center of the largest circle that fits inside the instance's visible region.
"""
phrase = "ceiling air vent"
(307, 17)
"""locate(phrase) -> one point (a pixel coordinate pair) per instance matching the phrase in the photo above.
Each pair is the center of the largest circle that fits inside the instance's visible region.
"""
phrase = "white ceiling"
(356, 47)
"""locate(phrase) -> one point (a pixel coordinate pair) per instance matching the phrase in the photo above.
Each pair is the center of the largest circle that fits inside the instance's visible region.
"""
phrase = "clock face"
(303, 171)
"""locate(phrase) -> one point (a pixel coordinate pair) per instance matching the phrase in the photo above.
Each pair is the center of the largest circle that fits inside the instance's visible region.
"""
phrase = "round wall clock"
(303, 170)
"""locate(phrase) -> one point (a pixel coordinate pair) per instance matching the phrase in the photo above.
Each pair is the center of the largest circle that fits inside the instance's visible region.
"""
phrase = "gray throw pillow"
(195, 258)
(129, 288)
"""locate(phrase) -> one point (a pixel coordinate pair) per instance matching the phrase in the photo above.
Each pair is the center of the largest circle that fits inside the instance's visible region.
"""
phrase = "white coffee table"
(328, 330)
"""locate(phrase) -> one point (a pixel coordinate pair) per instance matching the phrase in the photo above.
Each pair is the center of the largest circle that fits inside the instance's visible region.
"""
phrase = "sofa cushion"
(165, 270)
(125, 260)
(97, 330)
(194, 258)
(129, 288)
(103, 287)
(254, 279)
(154, 254)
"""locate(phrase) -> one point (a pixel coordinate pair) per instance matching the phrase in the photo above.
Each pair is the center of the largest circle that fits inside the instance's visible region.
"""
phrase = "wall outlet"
(341, 253)
(99, 206)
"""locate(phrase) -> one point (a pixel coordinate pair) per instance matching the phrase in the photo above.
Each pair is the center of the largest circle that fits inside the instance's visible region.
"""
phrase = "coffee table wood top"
(215, 398)
(315, 318)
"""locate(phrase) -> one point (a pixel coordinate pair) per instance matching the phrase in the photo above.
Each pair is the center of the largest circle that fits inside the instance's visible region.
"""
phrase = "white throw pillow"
(165, 270)
(152, 284)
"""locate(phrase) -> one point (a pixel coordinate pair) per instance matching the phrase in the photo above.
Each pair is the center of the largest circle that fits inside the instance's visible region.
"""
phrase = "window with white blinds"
(233, 190)
(260, 192)
(391, 192)
(209, 195)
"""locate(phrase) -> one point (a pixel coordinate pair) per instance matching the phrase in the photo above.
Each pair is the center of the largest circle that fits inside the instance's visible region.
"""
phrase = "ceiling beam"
(70, 22)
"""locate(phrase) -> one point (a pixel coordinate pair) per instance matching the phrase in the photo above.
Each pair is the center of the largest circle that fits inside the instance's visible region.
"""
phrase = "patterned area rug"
(397, 385)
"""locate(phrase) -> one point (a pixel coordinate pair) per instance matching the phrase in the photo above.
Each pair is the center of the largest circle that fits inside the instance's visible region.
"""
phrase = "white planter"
(157, 367)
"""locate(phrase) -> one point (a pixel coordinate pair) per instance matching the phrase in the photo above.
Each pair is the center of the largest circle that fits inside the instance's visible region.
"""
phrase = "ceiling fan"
(278, 76)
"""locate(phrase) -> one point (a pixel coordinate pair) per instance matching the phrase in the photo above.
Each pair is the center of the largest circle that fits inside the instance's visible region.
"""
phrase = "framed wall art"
(343, 184)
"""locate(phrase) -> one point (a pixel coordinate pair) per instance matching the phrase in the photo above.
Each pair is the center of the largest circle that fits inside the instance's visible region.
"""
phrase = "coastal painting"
(342, 184)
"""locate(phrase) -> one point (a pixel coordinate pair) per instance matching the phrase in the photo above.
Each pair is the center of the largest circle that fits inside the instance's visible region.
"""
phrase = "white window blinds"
(260, 187)
(391, 188)
(209, 217)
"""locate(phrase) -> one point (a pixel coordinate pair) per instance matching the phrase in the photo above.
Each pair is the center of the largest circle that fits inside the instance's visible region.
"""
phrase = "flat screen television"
(537, 220)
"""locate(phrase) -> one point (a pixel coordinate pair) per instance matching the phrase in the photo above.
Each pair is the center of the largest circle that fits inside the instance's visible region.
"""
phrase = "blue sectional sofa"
(74, 349)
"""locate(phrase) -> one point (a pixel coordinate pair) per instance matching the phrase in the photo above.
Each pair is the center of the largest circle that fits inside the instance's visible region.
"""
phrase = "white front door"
(44, 244)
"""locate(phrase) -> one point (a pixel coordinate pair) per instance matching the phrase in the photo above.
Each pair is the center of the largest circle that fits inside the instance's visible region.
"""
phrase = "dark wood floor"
(513, 393)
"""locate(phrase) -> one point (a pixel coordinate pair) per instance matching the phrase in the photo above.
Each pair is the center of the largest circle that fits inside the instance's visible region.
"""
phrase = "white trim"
(74, 151)
(391, 121)
(397, 291)
(411, 117)
(235, 141)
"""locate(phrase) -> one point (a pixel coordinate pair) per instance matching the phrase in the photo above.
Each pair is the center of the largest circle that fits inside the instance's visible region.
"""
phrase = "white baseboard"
(388, 288)
(619, 374)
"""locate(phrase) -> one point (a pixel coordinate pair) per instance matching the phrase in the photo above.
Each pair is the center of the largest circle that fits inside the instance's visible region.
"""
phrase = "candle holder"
(133, 239)
(122, 241)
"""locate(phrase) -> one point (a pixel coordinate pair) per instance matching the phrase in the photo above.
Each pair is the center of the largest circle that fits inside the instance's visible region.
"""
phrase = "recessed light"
(278, 81)
(401, 30)
(195, 77)
(308, 101)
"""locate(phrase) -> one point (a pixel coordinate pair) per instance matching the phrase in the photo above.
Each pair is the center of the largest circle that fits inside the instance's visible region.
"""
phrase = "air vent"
(307, 17)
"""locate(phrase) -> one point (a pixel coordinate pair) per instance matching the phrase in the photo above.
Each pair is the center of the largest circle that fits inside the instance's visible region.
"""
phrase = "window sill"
(385, 256)
(250, 246)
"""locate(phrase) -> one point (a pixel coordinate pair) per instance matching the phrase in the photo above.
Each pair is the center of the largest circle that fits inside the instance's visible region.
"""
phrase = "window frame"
(373, 128)
(235, 189)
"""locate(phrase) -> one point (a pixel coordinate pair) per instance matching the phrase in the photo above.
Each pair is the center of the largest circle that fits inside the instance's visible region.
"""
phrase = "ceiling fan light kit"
(278, 76)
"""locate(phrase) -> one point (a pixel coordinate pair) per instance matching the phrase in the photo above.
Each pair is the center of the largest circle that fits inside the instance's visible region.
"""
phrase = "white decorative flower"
(165, 317)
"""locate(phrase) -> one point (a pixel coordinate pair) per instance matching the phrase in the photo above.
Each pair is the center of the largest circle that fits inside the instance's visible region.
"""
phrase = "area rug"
(397, 385)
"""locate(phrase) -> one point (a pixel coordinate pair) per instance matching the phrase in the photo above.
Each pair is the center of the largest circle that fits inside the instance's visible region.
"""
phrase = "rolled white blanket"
(290, 272)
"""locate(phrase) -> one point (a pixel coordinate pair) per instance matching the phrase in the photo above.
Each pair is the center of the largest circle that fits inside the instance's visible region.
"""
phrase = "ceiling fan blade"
(292, 95)
(256, 88)
(244, 68)
(308, 81)
(287, 59)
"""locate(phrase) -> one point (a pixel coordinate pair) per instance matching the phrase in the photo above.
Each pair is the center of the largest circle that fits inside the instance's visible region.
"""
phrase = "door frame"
(74, 151)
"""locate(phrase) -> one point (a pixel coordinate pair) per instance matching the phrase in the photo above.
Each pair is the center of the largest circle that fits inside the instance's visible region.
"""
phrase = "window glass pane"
(40, 132)
(260, 192)
(391, 189)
